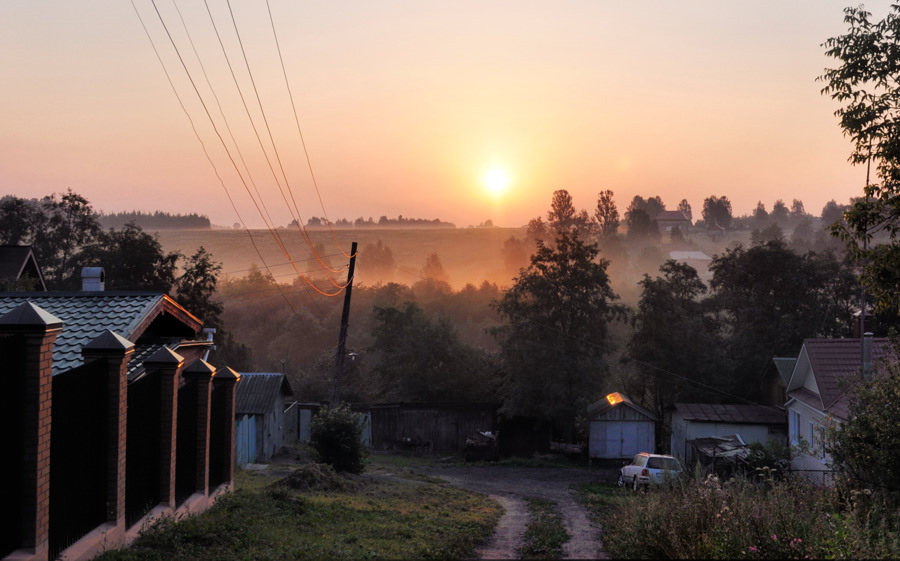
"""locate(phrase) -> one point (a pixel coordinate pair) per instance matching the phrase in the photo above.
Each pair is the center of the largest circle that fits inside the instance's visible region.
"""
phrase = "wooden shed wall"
(445, 427)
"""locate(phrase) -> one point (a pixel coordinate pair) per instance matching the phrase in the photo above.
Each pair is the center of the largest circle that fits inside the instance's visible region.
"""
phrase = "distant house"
(696, 259)
(619, 428)
(825, 371)
(18, 267)
(753, 423)
(261, 425)
(668, 220)
(111, 418)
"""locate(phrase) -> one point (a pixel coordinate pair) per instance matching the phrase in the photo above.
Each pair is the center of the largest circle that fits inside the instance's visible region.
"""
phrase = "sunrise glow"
(496, 182)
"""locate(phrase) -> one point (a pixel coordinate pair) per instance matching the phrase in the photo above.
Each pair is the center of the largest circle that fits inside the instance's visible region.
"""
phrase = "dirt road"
(510, 486)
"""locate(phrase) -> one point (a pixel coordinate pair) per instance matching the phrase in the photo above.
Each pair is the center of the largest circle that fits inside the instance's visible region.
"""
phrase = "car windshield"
(670, 464)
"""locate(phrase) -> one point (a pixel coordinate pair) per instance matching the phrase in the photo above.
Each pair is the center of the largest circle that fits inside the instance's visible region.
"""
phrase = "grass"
(317, 514)
(545, 534)
(743, 519)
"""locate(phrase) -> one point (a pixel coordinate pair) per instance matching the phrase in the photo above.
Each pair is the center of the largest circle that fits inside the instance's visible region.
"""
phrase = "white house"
(619, 428)
(825, 371)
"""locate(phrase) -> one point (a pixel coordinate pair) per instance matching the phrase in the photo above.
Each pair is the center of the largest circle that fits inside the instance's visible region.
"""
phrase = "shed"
(619, 428)
(259, 409)
(753, 423)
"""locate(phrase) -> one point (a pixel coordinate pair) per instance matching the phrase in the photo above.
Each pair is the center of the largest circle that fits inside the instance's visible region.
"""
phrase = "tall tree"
(555, 333)
(867, 84)
(133, 260)
(717, 210)
(779, 213)
(197, 287)
(607, 215)
(675, 344)
(564, 217)
(772, 298)
(641, 226)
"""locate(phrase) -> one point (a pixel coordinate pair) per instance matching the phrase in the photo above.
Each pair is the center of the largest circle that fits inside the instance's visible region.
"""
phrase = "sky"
(406, 107)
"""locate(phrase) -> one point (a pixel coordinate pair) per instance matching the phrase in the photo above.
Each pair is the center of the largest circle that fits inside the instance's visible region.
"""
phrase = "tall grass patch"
(705, 518)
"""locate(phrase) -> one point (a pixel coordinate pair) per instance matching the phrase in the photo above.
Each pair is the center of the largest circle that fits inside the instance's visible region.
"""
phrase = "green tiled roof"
(85, 316)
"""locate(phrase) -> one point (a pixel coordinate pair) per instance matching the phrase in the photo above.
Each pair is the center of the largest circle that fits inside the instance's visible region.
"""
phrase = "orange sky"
(404, 106)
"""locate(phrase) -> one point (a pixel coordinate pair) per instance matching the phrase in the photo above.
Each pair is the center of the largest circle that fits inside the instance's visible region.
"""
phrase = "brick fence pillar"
(36, 331)
(116, 351)
(225, 383)
(199, 376)
(168, 364)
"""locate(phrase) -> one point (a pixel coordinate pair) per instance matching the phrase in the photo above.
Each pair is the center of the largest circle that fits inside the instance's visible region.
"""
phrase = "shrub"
(336, 435)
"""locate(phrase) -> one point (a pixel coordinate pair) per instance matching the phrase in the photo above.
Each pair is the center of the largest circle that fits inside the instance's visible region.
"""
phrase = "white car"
(646, 468)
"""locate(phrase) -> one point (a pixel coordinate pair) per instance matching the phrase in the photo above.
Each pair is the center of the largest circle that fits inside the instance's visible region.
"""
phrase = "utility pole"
(342, 338)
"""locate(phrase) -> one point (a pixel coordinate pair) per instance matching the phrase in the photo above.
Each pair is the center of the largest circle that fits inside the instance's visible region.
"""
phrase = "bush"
(336, 435)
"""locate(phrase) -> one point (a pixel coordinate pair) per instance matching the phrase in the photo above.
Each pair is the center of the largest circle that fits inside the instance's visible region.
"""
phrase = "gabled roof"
(17, 261)
(738, 414)
(86, 315)
(835, 366)
(612, 401)
(784, 366)
(258, 390)
(672, 216)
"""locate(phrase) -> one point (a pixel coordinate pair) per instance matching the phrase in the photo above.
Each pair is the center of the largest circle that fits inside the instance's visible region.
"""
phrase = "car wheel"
(621, 481)
(634, 484)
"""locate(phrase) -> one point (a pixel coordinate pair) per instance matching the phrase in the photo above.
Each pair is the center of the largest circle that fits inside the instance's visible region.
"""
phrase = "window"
(794, 427)
(812, 438)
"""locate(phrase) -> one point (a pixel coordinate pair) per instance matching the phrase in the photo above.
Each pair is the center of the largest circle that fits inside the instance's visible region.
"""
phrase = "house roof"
(724, 413)
(672, 216)
(17, 261)
(258, 390)
(613, 400)
(784, 366)
(86, 315)
(835, 364)
(684, 255)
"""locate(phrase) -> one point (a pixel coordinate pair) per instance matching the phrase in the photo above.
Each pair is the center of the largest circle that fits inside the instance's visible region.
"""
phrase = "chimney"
(867, 356)
(93, 279)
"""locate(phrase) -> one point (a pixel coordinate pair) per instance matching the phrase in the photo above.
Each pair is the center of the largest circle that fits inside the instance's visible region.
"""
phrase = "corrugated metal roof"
(725, 413)
(258, 390)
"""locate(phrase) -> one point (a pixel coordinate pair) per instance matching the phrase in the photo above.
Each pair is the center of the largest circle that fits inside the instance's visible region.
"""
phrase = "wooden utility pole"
(342, 338)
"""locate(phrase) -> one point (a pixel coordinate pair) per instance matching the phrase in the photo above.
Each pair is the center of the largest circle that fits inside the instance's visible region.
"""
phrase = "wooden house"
(261, 423)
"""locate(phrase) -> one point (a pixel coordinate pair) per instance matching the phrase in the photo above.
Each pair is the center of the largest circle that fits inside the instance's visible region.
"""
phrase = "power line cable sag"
(205, 152)
(228, 152)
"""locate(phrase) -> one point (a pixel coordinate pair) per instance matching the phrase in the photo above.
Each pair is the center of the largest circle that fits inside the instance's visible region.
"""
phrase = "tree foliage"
(675, 344)
(717, 210)
(771, 298)
(867, 84)
(133, 260)
(606, 215)
(197, 288)
(866, 447)
(555, 333)
(417, 359)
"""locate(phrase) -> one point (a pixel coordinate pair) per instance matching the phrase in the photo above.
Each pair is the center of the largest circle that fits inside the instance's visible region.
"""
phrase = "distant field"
(469, 255)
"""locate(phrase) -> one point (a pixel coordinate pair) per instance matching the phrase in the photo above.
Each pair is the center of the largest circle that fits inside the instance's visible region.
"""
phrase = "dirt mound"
(317, 477)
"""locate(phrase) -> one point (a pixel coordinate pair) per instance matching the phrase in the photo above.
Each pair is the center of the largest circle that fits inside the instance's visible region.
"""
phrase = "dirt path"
(510, 487)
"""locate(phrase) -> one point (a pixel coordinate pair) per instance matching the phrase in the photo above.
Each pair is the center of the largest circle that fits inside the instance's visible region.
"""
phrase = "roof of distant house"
(725, 413)
(614, 400)
(685, 255)
(259, 390)
(17, 261)
(785, 367)
(835, 364)
(86, 315)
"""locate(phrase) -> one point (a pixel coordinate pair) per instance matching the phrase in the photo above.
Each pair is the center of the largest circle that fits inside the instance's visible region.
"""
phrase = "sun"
(496, 182)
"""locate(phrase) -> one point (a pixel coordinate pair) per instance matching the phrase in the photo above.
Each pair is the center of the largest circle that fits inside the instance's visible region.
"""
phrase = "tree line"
(153, 221)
